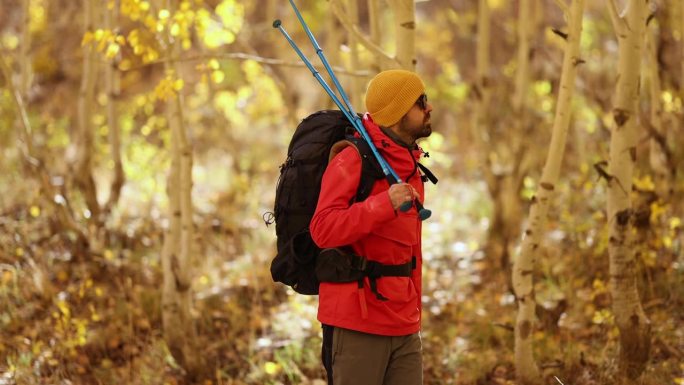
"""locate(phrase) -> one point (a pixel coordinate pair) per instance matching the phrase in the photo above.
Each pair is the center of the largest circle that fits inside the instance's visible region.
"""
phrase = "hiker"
(371, 327)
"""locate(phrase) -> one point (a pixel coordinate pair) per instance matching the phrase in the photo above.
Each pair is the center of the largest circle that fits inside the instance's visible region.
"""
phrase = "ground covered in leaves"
(69, 316)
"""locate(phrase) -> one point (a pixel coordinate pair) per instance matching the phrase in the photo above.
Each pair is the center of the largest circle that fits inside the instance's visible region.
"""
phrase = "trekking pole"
(347, 109)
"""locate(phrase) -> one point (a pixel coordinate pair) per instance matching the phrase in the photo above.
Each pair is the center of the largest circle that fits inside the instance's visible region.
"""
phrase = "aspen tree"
(405, 30)
(481, 90)
(634, 326)
(112, 85)
(374, 22)
(510, 168)
(85, 138)
(385, 60)
(524, 265)
(658, 142)
(356, 89)
(180, 332)
(333, 43)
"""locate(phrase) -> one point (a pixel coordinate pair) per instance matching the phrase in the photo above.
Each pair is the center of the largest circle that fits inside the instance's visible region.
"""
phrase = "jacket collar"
(383, 137)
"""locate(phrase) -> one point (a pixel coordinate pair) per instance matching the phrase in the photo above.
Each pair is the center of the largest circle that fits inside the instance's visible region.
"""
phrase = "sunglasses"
(422, 102)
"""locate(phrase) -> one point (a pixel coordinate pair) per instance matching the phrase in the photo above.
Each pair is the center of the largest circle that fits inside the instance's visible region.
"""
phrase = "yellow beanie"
(391, 94)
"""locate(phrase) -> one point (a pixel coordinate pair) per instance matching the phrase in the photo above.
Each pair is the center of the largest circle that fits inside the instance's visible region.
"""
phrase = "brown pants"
(355, 358)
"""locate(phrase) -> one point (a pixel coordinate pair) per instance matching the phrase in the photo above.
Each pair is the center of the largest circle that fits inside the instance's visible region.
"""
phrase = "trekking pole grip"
(423, 213)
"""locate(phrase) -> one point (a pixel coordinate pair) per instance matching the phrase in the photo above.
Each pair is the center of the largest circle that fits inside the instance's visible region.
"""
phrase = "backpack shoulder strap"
(370, 168)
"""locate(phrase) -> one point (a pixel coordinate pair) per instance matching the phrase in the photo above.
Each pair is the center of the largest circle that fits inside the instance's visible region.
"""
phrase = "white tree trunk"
(522, 73)
(405, 27)
(656, 155)
(85, 138)
(356, 89)
(629, 315)
(180, 332)
(112, 85)
(524, 265)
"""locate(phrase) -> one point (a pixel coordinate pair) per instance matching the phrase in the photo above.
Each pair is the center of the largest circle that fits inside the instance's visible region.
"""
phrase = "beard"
(426, 129)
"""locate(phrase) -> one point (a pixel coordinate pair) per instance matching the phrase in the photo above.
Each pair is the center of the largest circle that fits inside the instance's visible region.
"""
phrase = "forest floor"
(68, 319)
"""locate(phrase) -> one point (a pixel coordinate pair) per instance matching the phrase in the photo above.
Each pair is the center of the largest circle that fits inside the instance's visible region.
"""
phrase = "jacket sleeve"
(337, 223)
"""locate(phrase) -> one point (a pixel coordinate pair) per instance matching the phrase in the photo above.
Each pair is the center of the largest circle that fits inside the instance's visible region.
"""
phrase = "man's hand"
(401, 193)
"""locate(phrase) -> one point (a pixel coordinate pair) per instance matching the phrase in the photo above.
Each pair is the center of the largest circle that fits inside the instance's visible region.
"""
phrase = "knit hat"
(391, 94)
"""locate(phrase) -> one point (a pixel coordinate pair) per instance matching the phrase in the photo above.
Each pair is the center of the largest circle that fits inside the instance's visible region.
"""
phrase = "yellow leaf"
(164, 14)
(19, 252)
(645, 183)
(217, 76)
(112, 51)
(7, 277)
(214, 64)
(271, 368)
(63, 308)
(175, 29)
(178, 84)
(62, 276)
(87, 38)
(675, 222)
(125, 65)
(108, 254)
(99, 34)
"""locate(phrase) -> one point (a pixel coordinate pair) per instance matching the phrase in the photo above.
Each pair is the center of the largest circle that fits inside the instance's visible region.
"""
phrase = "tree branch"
(242, 56)
(618, 22)
(363, 39)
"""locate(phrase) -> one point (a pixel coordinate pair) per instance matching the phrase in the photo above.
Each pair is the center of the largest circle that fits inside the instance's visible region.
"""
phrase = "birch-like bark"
(522, 73)
(85, 137)
(405, 27)
(112, 89)
(374, 21)
(385, 60)
(657, 144)
(629, 315)
(356, 89)
(180, 332)
(524, 265)
(333, 44)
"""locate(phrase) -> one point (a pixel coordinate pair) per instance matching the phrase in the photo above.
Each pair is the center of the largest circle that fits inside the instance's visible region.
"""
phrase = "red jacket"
(374, 230)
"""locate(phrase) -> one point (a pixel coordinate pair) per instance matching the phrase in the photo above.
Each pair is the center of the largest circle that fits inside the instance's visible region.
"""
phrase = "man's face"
(416, 123)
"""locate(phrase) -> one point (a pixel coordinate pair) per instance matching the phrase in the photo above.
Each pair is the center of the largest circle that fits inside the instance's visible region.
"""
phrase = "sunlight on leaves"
(35, 211)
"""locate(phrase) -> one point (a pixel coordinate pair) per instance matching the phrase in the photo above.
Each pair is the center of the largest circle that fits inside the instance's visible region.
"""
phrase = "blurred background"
(140, 146)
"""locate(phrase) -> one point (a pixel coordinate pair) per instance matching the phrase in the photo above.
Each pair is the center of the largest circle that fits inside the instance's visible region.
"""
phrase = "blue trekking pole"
(347, 108)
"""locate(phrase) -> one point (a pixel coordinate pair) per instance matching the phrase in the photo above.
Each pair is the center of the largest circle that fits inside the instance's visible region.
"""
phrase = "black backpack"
(297, 193)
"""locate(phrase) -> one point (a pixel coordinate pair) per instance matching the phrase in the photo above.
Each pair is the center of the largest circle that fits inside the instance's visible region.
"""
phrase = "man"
(371, 327)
